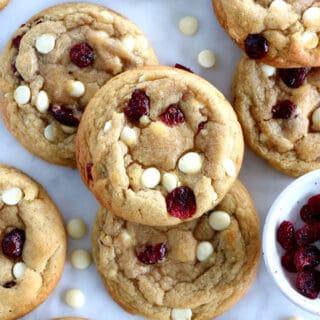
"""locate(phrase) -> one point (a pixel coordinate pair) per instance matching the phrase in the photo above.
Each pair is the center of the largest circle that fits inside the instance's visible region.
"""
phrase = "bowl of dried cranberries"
(291, 241)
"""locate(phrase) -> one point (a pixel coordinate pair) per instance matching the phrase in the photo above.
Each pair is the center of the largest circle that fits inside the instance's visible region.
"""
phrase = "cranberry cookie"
(33, 244)
(159, 145)
(3, 3)
(282, 33)
(280, 115)
(52, 67)
(197, 269)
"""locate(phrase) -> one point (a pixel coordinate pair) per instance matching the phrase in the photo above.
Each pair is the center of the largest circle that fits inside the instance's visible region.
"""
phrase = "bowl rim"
(268, 246)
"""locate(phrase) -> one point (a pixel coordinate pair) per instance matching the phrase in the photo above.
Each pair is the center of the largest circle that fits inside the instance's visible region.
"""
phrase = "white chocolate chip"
(12, 196)
(75, 88)
(128, 42)
(206, 59)
(68, 129)
(214, 197)
(144, 120)
(128, 136)
(316, 119)
(190, 163)
(150, 177)
(219, 220)
(80, 259)
(311, 18)
(125, 237)
(230, 167)
(263, 137)
(74, 298)
(19, 269)
(181, 314)
(42, 102)
(76, 228)
(22, 94)
(204, 250)
(188, 25)
(169, 181)
(45, 43)
(107, 126)
(278, 5)
(268, 70)
(49, 132)
(309, 39)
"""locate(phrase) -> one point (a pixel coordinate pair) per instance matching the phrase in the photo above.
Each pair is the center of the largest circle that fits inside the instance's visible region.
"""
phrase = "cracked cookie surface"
(31, 272)
(291, 28)
(180, 283)
(279, 113)
(159, 145)
(52, 67)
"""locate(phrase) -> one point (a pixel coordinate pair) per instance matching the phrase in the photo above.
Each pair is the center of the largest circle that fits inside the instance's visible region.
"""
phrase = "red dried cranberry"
(89, 171)
(283, 110)
(82, 55)
(172, 116)
(66, 115)
(306, 257)
(181, 203)
(256, 46)
(287, 261)
(9, 284)
(308, 283)
(307, 234)
(314, 204)
(201, 125)
(12, 243)
(16, 41)
(138, 106)
(285, 235)
(308, 216)
(293, 78)
(180, 66)
(153, 254)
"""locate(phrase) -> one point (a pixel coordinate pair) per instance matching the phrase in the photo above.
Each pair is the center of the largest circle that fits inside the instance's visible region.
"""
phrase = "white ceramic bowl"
(287, 207)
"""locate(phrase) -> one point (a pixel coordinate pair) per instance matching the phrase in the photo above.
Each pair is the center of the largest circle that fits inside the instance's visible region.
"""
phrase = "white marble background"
(159, 20)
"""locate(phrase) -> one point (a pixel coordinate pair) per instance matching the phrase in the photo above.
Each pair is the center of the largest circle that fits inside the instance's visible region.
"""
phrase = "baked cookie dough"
(159, 145)
(33, 244)
(197, 269)
(281, 33)
(3, 3)
(54, 64)
(279, 113)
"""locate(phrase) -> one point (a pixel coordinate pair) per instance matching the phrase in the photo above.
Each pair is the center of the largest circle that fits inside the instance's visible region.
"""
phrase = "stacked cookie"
(160, 148)
(278, 108)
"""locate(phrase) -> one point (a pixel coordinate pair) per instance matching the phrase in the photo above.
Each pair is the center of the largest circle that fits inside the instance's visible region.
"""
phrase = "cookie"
(52, 67)
(159, 145)
(197, 269)
(279, 113)
(33, 244)
(3, 3)
(69, 318)
(281, 33)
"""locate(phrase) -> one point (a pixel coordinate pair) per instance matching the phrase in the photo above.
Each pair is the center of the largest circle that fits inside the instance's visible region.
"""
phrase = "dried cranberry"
(201, 125)
(181, 203)
(293, 78)
(308, 216)
(153, 254)
(307, 234)
(314, 204)
(12, 243)
(256, 46)
(285, 235)
(9, 284)
(287, 261)
(308, 283)
(172, 116)
(139, 105)
(306, 257)
(89, 171)
(66, 115)
(283, 110)
(82, 55)
(180, 66)
(16, 41)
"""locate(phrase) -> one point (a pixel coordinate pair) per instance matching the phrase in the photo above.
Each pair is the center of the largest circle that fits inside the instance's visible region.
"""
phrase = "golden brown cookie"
(279, 113)
(3, 3)
(197, 269)
(282, 33)
(52, 67)
(33, 244)
(159, 145)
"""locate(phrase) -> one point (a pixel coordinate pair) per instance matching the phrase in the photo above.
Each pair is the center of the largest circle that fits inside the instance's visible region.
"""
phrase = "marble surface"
(159, 20)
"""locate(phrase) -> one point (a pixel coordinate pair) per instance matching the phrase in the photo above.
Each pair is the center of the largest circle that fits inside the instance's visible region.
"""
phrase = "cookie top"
(197, 269)
(159, 145)
(54, 64)
(279, 113)
(33, 244)
(281, 33)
